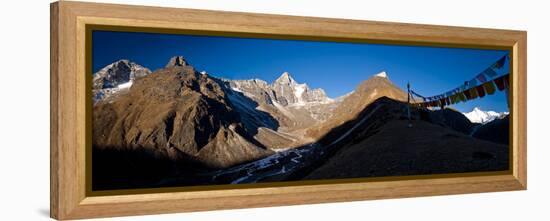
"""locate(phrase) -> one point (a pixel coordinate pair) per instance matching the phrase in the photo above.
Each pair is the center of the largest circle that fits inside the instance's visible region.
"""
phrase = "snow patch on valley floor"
(125, 85)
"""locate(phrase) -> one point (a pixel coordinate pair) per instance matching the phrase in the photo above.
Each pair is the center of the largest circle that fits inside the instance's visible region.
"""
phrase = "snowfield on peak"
(382, 74)
(479, 116)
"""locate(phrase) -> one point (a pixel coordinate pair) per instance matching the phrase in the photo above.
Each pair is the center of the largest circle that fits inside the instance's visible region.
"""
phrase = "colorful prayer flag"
(500, 82)
(467, 94)
(480, 91)
(473, 93)
(481, 78)
(490, 72)
(462, 97)
(454, 99)
(500, 63)
(489, 87)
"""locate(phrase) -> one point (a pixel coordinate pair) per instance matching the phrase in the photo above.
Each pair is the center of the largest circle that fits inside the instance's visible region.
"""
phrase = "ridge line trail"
(355, 126)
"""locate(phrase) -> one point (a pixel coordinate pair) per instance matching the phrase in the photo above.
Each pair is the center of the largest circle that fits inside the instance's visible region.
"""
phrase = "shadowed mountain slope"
(497, 131)
(383, 145)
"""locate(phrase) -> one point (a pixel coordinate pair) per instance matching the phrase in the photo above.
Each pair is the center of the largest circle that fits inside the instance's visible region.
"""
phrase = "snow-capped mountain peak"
(291, 98)
(479, 116)
(117, 76)
(285, 78)
(382, 74)
(119, 72)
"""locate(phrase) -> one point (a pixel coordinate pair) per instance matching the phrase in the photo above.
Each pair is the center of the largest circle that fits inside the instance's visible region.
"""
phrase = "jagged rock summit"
(294, 104)
(285, 78)
(177, 61)
(284, 90)
(290, 92)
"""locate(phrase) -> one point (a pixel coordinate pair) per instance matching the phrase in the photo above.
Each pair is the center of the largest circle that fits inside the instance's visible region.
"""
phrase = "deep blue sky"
(336, 67)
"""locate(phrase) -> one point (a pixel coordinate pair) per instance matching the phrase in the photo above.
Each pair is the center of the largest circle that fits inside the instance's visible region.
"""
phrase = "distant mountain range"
(200, 129)
(479, 116)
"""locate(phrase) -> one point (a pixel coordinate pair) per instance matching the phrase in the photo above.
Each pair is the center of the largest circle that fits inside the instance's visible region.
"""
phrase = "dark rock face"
(496, 131)
(177, 113)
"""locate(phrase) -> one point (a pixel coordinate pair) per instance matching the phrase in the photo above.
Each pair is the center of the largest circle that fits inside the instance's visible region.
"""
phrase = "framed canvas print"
(159, 110)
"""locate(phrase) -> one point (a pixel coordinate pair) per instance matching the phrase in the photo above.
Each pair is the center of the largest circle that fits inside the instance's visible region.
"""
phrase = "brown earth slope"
(383, 145)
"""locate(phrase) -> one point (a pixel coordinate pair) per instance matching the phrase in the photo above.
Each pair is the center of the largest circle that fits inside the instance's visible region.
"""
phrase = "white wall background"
(24, 109)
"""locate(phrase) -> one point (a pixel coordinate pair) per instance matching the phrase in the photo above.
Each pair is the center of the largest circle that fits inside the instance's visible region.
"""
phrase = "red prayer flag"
(500, 83)
(480, 91)
(467, 93)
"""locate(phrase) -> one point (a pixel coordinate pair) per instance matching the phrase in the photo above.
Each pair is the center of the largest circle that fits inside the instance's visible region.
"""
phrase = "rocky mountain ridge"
(177, 113)
(281, 114)
(115, 77)
(295, 101)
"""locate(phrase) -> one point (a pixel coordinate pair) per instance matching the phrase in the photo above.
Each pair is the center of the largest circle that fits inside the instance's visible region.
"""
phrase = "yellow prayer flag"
(473, 93)
(462, 96)
(489, 87)
(454, 99)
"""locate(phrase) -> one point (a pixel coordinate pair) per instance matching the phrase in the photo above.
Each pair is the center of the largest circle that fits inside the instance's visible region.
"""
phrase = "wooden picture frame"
(70, 199)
